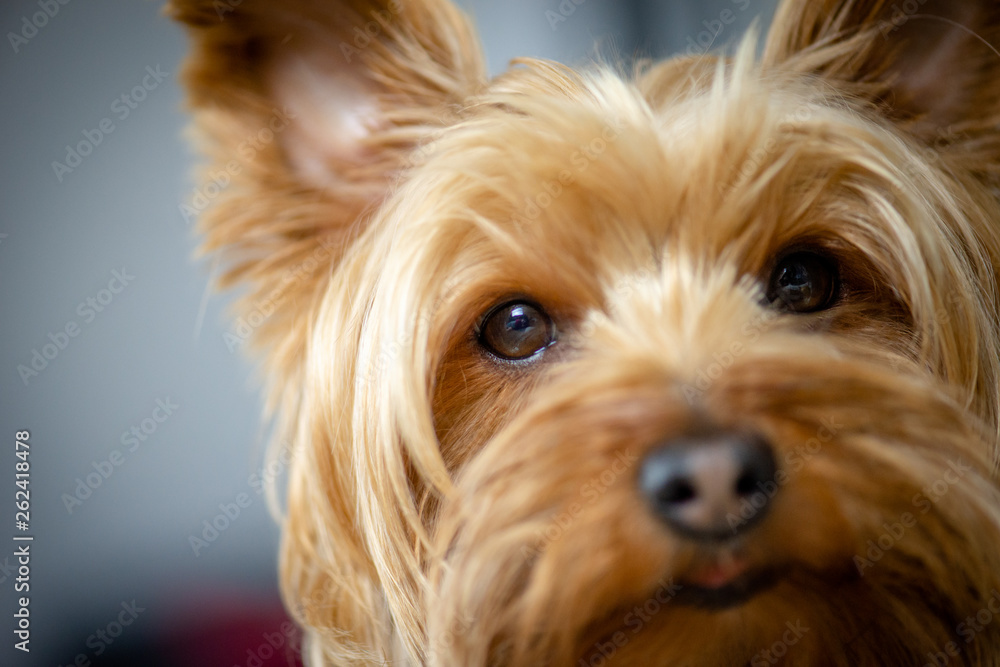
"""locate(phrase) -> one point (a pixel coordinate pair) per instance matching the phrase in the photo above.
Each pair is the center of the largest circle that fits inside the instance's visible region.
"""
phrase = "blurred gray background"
(101, 247)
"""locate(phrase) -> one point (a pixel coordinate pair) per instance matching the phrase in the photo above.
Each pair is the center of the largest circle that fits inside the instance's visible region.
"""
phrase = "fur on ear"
(933, 66)
(306, 111)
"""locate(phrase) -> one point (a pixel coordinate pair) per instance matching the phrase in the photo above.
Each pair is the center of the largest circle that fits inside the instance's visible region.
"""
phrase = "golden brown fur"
(447, 508)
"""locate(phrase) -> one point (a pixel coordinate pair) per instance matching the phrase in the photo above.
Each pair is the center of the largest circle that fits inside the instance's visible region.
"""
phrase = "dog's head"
(693, 366)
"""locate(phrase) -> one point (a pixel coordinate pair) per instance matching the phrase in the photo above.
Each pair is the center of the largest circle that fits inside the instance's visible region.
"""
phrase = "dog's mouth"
(720, 582)
(723, 582)
(718, 593)
(726, 581)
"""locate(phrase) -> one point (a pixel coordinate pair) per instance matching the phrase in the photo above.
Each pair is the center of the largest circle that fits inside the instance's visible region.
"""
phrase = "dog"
(683, 363)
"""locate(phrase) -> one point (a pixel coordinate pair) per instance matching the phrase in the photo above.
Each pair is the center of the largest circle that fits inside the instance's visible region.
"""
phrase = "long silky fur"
(426, 480)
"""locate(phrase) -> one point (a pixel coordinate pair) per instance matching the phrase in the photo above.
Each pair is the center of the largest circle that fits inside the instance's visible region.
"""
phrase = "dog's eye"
(803, 282)
(516, 330)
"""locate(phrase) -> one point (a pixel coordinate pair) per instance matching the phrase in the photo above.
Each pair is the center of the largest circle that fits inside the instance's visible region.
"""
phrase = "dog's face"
(699, 367)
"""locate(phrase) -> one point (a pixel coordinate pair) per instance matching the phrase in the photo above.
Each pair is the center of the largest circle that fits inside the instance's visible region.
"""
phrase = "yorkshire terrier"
(689, 363)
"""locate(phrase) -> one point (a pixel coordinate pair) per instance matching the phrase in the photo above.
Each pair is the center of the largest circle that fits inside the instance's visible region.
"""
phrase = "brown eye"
(516, 330)
(803, 282)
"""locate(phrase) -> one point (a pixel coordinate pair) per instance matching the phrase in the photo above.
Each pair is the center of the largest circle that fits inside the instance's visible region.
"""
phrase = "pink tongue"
(718, 575)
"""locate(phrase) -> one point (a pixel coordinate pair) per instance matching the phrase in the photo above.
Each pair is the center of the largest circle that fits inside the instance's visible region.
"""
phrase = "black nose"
(710, 486)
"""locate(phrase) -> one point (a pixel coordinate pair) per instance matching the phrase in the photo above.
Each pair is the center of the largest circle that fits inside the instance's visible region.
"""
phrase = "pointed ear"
(346, 70)
(931, 64)
(306, 110)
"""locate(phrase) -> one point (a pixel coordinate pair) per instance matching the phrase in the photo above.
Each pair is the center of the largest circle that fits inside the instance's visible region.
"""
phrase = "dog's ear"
(932, 65)
(307, 109)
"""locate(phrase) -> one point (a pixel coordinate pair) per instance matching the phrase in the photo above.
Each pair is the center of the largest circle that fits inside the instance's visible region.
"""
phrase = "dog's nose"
(710, 486)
